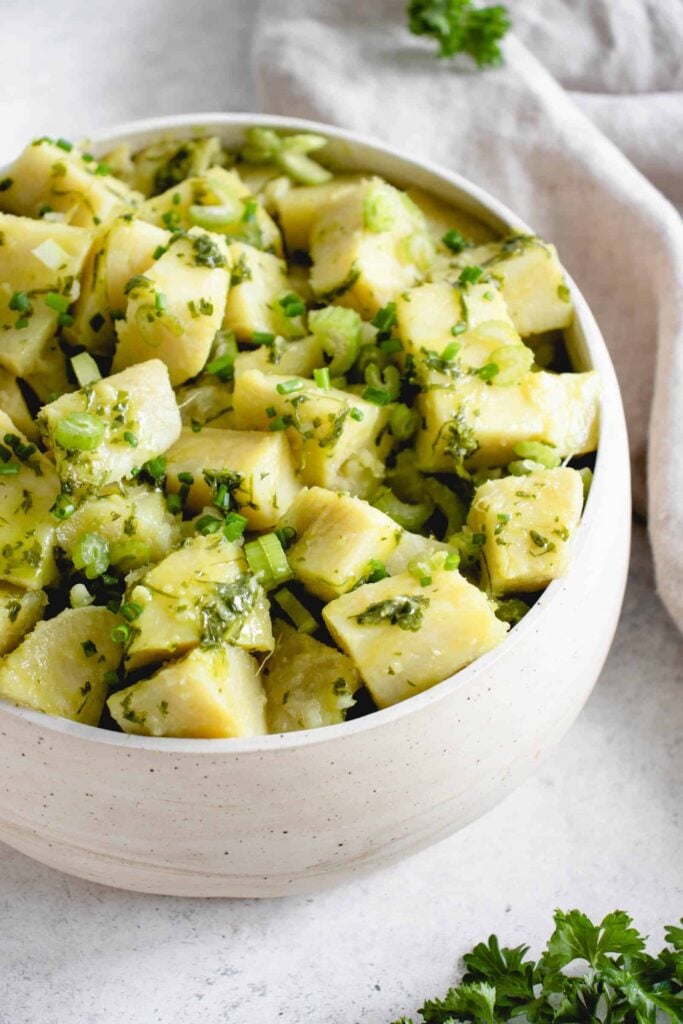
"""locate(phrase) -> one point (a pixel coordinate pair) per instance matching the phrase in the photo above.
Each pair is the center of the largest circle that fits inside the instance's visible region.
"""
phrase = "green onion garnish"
(234, 526)
(297, 612)
(80, 431)
(91, 554)
(267, 560)
(288, 387)
(322, 378)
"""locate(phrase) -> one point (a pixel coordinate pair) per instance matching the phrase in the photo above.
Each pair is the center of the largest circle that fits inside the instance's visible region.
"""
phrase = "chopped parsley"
(405, 611)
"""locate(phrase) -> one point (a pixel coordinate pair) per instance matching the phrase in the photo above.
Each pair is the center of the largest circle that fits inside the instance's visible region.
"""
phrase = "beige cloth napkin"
(564, 156)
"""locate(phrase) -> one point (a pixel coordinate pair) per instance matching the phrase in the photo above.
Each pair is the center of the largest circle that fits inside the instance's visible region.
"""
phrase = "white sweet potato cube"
(136, 524)
(294, 358)
(27, 492)
(175, 309)
(367, 245)
(127, 250)
(137, 413)
(19, 612)
(47, 177)
(426, 315)
(36, 257)
(529, 523)
(340, 440)
(203, 594)
(61, 666)
(337, 536)
(209, 694)
(308, 684)
(263, 462)
(257, 280)
(570, 404)
(171, 209)
(299, 206)
(531, 280)
(404, 638)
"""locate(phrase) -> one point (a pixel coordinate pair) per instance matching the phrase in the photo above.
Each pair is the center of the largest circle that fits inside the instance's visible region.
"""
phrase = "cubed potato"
(570, 403)
(49, 378)
(367, 245)
(27, 527)
(47, 178)
(531, 279)
(252, 224)
(257, 280)
(19, 612)
(37, 257)
(442, 217)
(337, 535)
(308, 684)
(135, 522)
(298, 208)
(340, 440)
(13, 404)
(201, 594)
(427, 314)
(474, 422)
(128, 249)
(61, 667)
(175, 309)
(134, 414)
(294, 358)
(206, 402)
(404, 638)
(259, 465)
(209, 694)
(529, 523)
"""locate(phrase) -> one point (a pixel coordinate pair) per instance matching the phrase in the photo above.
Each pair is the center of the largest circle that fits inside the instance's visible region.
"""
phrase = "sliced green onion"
(410, 517)
(537, 451)
(63, 507)
(456, 241)
(91, 554)
(10, 469)
(292, 305)
(404, 422)
(297, 612)
(513, 362)
(216, 218)
(80, 431)
(80, 596)
(234, 526)
(338, 330)
(301, 168)
(56, 301)
(267, 560)
(208, 524)
(288, 387)
(223, 355)
(385, 318)
(131, 610)
(120, 633)
(262, 338)
(85, 369)
(377, 571)
(469, 275)
(322, 378)
(357, 414)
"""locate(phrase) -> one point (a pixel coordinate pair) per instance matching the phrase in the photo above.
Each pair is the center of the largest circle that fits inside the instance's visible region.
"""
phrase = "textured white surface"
(598, 827)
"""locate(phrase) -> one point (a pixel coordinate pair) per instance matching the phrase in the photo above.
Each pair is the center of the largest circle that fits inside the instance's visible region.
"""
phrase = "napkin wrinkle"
(559, 159)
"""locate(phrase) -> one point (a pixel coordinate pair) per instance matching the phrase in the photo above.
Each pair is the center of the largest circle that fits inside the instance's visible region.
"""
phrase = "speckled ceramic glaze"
(288, 814)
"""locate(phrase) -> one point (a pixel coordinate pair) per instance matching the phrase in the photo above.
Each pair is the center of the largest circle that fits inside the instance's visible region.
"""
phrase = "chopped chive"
(263, 338)
(174, 503)
(159, 302)
(292, 305)
(357, 414)
(10, 469)
(287, 387)
(20, 302)
(378, 396)
(56, 301)
(130, 438)
(455, 240)
(64, 144)
(186, 478)
(470, 275)
(322, 378)
(234, 526)
(280, 423)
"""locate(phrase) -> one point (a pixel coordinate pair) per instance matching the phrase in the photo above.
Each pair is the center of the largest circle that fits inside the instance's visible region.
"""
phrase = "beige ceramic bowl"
(289, 814)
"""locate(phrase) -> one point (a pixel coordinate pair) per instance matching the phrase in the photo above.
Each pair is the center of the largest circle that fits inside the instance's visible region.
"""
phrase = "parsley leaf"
(459, 27)
(620, 982)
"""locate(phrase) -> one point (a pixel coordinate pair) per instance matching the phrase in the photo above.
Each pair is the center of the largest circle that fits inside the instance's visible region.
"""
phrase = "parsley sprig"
(460, 27)
(620, 983)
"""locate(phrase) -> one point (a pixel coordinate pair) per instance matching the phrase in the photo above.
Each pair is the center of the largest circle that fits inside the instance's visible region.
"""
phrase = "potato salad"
(278, 445)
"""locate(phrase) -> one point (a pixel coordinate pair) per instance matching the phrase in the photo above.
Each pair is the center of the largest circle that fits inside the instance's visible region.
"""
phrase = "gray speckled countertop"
(598, 827)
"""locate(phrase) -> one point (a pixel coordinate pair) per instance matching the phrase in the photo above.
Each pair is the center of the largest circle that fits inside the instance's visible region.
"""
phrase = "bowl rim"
(600, 359)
